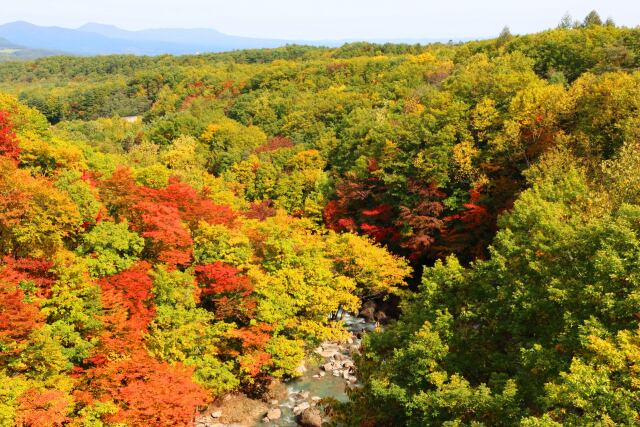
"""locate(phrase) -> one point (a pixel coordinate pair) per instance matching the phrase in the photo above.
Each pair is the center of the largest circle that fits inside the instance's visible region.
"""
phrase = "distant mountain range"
(98, 39)
(10, 51)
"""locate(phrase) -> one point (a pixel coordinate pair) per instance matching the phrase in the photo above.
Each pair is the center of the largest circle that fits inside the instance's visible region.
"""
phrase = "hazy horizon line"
(399, 39)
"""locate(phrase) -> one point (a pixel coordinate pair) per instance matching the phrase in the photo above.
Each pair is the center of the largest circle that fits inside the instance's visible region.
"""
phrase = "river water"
(315, 382)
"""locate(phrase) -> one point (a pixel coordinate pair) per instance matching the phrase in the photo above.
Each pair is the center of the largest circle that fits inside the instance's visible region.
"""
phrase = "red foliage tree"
(469, 233)
(91, 177)
(364, 205)
(17, 319)
(191, 205)
(120, 193)
(254, 362)
(424, 218)
(375, 222)
(149, 392)
(254, 337)
(253, 340)
(43, 408)
(127, 302)
(275, 143)
(219, 278)
(360, 202)
(162, 215)
(227, 289)
(260, 210)
(171, 242)
(9, 147)
(35, 271)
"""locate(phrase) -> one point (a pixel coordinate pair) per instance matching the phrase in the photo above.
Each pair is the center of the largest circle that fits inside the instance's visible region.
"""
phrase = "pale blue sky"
(325, 19)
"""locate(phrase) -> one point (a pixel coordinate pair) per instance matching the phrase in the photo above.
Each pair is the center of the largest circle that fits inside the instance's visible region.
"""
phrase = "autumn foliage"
(228, 290)
(9, 147)
(362, 205)
(483, 195)
(17, 320)
(359, 206)
(149, 392)
(469, 232)
(41, 408)
(128, 308)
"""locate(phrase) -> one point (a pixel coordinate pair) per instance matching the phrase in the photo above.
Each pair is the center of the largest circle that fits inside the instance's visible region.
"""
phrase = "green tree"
(592, 20)
(183, 332)
(110, 248)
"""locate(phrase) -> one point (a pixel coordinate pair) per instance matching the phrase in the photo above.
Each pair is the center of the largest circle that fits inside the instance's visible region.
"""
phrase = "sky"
(323, 19)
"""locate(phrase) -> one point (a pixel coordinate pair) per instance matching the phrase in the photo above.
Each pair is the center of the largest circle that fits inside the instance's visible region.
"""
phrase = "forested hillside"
(176, 228)
(12, 52)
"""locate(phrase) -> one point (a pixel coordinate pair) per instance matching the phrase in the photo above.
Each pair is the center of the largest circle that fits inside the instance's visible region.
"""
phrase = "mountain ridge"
(104, 39)
(10, 51)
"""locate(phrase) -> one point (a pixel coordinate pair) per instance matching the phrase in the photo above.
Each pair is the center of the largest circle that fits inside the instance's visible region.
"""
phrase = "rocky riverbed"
(328, 374)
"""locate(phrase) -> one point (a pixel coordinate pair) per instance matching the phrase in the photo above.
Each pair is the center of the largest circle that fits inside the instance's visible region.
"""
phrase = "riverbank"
(325, 376)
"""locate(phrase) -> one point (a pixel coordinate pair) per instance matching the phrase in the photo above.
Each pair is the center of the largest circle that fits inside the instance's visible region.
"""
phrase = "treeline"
(206, 243)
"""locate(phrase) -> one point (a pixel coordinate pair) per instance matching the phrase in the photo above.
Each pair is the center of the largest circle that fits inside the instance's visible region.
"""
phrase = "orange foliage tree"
(149, 392)
(43, 408)
(128, 308)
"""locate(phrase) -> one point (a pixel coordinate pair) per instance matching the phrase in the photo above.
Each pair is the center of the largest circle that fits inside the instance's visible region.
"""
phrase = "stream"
(326, 374)
(328, 379)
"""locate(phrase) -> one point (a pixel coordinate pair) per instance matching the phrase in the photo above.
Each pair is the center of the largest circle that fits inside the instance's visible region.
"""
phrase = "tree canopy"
(489, 188)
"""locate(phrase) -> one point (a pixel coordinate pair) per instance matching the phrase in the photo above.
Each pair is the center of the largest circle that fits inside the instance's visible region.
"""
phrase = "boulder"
(216, 414)
(276, 392)
(301, 369)
(328, 353)
(368, 313)
(330, 346)
(274, 414)
(328, 366)
(300, 395)
(299, 409)
(311, 418)
(380, 316)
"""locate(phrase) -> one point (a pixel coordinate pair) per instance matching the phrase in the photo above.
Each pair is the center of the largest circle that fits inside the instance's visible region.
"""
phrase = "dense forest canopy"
(190, 224)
